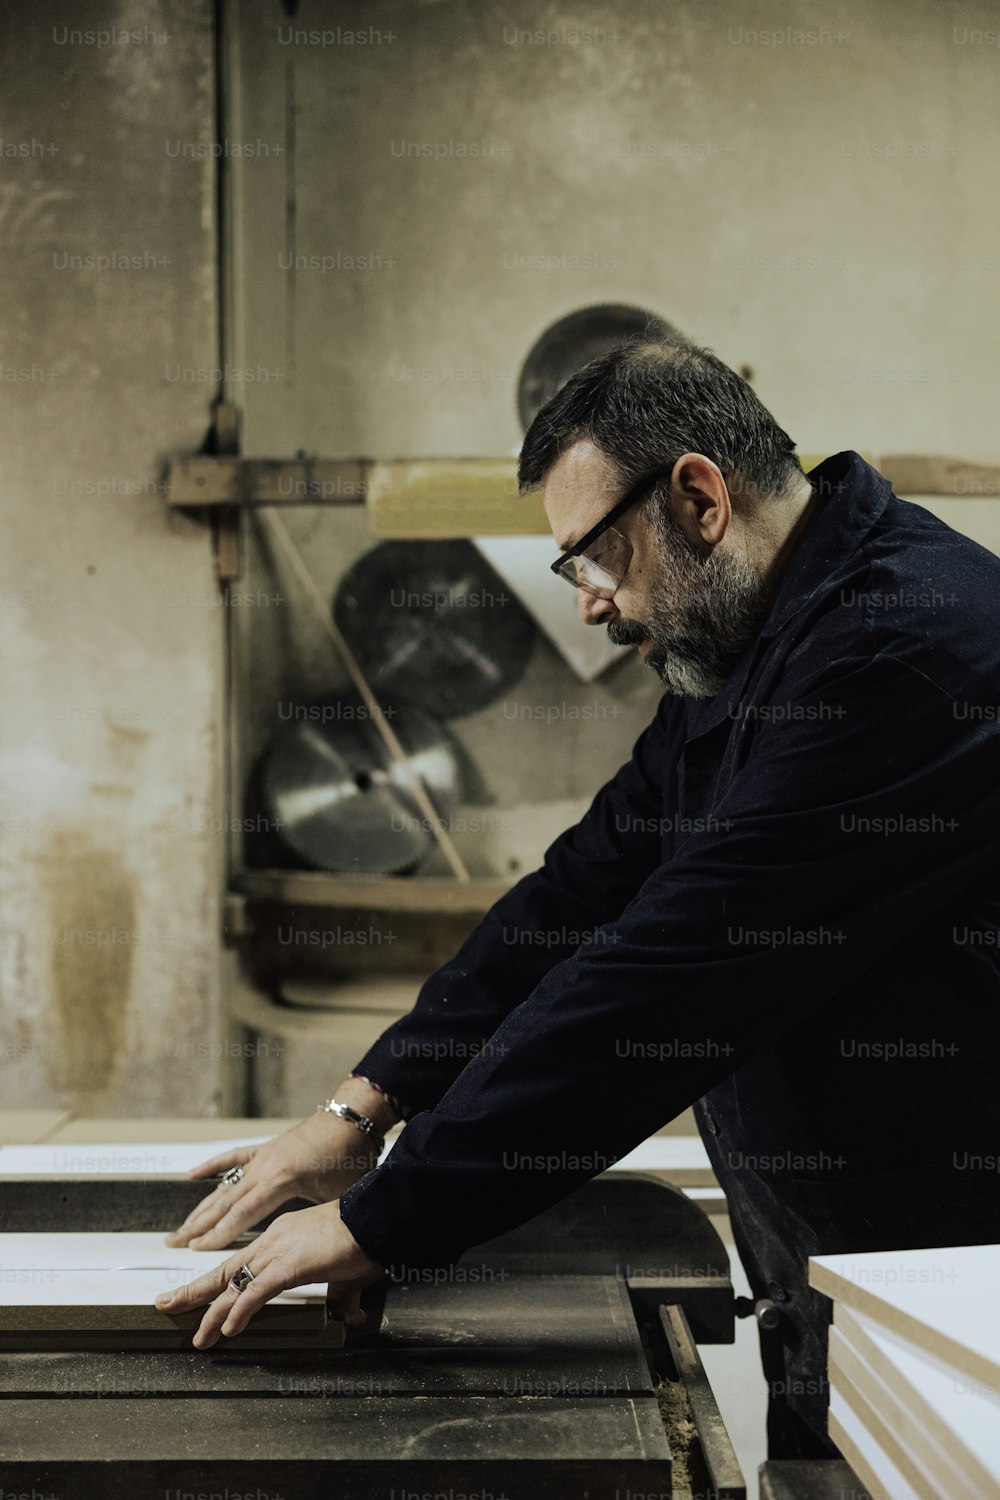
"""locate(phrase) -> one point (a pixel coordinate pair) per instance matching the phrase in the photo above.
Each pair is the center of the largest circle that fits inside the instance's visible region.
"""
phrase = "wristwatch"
(354, 1117)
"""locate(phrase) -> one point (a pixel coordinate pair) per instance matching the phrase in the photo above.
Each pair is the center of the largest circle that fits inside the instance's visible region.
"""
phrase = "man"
(783, 910)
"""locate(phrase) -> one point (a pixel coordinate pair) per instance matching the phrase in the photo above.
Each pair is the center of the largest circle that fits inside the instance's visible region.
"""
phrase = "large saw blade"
(434, 623)
(338, 799)
(567, 345)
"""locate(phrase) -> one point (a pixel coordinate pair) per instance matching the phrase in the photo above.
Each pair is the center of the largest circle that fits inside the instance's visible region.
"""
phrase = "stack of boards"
(97, 1291)
(915, 1369)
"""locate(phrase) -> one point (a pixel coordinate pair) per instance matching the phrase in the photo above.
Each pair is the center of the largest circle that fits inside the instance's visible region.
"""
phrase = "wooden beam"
(451, 497)
(416, 499)
(384, 893)
(198, 482)
(927, 474)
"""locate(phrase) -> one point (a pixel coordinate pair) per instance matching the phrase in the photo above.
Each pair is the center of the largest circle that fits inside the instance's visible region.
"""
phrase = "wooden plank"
(866, 1457)
(463, 497)
(459, 497)
(942, 1299)
(229, 480)
(26, 1127)
(423, 894)
(135, 1159)
(98, 1290)
(928, 1402)
(905, 1439)
(928, 474)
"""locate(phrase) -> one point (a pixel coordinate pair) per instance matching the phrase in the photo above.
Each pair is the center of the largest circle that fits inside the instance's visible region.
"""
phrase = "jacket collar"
(853, 497)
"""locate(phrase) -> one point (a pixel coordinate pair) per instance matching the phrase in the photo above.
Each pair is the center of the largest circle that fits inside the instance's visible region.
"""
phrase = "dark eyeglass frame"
(638, 492)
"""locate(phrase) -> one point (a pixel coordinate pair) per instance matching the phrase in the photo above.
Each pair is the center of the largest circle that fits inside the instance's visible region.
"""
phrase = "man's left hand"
(312, 1244)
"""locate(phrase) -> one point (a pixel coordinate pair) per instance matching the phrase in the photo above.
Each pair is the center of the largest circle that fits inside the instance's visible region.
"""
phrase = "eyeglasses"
(599, 560)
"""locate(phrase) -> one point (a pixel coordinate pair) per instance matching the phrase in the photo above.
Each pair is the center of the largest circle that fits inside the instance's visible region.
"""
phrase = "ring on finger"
(233, 1176)
(242, 1279)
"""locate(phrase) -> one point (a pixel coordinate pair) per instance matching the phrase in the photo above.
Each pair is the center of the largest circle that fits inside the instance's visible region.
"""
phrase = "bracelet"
(390, 1099)
(354, 1117)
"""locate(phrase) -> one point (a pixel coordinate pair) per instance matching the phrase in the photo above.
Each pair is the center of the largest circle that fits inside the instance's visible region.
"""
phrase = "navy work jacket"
(786, 906)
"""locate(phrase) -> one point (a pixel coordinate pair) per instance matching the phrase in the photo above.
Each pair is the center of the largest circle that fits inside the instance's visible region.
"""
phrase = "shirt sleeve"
(589, 875)
(868, 806)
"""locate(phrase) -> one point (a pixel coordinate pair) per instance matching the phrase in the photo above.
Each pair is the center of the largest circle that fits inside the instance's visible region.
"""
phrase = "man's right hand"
(316, 1160)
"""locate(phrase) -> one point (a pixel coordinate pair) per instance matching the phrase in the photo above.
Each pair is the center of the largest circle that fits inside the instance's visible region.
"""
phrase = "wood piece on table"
(917, 1457)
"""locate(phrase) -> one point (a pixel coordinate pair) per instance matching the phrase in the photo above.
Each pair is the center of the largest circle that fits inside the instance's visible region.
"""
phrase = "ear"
(702, 504)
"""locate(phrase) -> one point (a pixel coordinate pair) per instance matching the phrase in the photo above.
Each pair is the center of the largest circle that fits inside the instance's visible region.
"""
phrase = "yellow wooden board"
(457, 497)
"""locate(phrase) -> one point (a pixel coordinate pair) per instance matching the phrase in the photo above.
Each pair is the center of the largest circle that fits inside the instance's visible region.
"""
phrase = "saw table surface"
(531, 1368)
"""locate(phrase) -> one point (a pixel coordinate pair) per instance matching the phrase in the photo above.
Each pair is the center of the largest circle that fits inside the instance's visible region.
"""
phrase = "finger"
(237, 1156)
(231, 1311)
(209, 1330)
(265, 1285)
(246, 1210)
(196, 1293)
(206, 1212)
(345, 1307)
(216, 1221)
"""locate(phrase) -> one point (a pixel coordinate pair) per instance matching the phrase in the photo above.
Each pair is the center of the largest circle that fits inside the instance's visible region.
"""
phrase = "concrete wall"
(110, 626)
(822, 211)
(426, 187)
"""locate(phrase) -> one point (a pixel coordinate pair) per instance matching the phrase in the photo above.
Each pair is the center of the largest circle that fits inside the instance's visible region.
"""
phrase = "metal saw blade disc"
(432, 622)
(340, 801)
(567, 345)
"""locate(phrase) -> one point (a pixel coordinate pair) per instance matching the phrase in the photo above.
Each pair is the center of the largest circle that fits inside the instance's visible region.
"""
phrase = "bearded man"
(791, 893)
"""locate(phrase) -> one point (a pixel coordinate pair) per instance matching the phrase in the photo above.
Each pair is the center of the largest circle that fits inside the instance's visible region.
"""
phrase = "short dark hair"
(648, 401)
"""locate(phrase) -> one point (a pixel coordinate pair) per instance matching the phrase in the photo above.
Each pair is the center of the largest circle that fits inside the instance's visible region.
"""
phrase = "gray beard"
(704, 610)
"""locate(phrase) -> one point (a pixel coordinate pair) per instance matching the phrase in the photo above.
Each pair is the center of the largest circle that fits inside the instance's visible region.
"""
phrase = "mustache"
(626, 633)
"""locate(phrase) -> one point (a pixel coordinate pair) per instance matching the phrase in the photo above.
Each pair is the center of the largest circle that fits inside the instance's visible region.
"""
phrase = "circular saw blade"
(338, 798)
(434, 623)
(567, 345)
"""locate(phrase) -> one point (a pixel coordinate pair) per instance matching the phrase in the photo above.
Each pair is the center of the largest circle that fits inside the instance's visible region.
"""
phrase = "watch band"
(354, 1117)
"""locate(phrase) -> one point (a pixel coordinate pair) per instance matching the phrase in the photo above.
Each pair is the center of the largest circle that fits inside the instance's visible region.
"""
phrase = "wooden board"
(908, 1443)
(201, 481)
(869, 1461)
(931, 1403)
(681, 1159)
(458, 497)
(133, 1159)
(931, 474)
(83, 1309)
(128, 1250)
(77, 1291)
(943, 1300)
(422, 893)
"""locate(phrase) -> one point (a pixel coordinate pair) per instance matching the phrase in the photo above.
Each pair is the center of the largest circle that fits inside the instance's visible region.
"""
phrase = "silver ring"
(233, 1176)
(242, 1279)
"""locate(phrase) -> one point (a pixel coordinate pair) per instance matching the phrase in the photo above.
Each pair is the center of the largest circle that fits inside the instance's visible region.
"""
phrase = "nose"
(593, 609)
